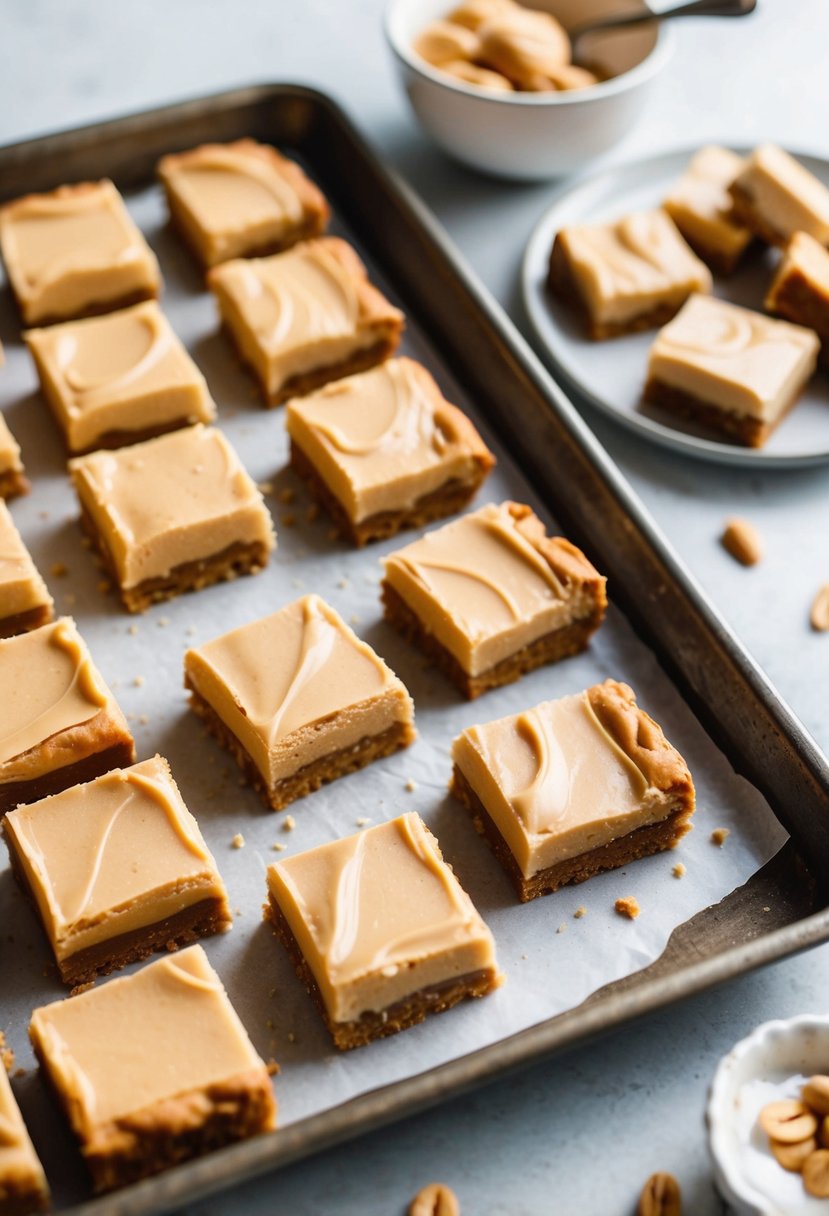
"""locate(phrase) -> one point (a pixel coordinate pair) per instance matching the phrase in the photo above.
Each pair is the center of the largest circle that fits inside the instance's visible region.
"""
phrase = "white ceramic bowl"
(770, 1064)
(531, 136)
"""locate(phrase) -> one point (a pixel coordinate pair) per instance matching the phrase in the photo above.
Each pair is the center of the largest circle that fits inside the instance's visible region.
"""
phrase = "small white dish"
(531, 136)
(610, 375)
(772, 1063)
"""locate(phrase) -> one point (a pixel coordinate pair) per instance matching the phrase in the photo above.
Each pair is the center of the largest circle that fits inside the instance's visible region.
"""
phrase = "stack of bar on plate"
(730, 370)
(155, 1067)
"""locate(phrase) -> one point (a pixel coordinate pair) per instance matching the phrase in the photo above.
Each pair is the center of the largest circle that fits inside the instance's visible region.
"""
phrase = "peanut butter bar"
(116, 869)
(118, 379)
(59, 723)
(775, 196)
(701, 207)
(800, 289)
(384, 451)
(174, 514)
(75, 252)
(305, 317)
(12, 477)
(573, 787)
(490, 596)
(25, 602)
(380, 931)
(153, 1069)
(240, 200)
(732, 370)
(23, 1185)
(626, 276)
(298, 700)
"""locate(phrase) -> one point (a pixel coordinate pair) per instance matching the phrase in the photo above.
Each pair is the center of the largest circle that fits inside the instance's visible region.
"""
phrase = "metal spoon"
(694, 8)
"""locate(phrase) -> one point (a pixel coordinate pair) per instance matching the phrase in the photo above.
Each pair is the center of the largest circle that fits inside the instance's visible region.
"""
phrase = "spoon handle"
(690, 8)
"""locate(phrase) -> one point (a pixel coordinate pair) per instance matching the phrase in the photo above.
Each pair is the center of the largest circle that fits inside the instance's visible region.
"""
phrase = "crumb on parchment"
(628, 906)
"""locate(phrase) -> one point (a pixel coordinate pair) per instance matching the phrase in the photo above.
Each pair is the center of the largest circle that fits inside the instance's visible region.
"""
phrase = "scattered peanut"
(793, 1156)
(435, 1200)
(816, 1174)
(660, 1197)
(742, 540)
(815, 1094)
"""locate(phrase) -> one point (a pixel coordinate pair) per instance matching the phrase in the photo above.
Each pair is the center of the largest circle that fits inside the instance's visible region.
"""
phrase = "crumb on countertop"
(286, 495)
(163, 621)
(60, 569)
(289, 824)
(410, 786)
(628, 905)
(138, 681)
(238, 841)
(580, 912)
(279, 847)
(719, 836)
(313, 513)
(561, 927)
(362, 821)
(679, 870)
(287, 519)
(132, 630)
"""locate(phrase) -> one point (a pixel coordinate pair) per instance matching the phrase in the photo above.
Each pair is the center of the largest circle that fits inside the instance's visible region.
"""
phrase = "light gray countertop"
(578, 1134)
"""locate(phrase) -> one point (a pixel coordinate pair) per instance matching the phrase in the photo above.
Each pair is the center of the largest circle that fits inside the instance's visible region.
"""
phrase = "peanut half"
(660, 1197)
(742, 540)
(788, 1121)
(819, 620)
(435, 1200)
(793, 1157)
(815, 1092)
(816, 1174)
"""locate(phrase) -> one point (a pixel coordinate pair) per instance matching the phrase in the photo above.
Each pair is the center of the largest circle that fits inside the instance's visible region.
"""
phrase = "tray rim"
(247, 1160)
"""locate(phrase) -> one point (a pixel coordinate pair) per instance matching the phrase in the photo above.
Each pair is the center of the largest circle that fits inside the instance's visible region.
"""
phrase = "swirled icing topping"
(230, 187)
(383, 439)
(734, 358)
(21, 1173)
(21, 587)
(785, 195)
(302, 296)
(109, 849)
(639, 260)
(174, 1013)
(700, 204)
(155, 502)
(373, 908)
(48, 684)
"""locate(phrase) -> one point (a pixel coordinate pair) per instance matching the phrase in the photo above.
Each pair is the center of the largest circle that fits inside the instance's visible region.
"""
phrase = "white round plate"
(610, 374)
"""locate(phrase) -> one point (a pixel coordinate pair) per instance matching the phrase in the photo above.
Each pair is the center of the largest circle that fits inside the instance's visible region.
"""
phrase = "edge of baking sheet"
(729, 693)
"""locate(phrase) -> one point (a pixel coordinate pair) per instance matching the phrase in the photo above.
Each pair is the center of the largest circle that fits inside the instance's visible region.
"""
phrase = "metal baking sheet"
(481, 362)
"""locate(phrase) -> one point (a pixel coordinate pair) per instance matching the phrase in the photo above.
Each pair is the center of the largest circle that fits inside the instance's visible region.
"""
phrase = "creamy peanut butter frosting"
(491, 582)
(171, 500)
(48, 683)
(787, 197)
(122, 372)
(21, 587)
(296, 686)
(637, 262)
(112, 856)
(557, 782)
(298, 310)
(161, 1034)
(21, 1174)
(10, 461)
(74, 247)
(700, 204)
(379, 916)
(384, 439)
(733, 358)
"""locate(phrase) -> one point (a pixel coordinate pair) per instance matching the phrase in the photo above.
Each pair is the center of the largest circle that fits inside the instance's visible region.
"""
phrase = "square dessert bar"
(775, 196)
(626, 276)
(298, 700)
(116, 869)
(800, 289)
(732, 370)
(490, 596)
(305, 317)
(25, 602)
(384, 451)
(75, 252)
(380, 931)
(573, 787)
(59, 723)
(701, 207)
(118, 379)
(23, 1185)
(12, 477)
(174, 514)
(153, 1069)
(241, 199)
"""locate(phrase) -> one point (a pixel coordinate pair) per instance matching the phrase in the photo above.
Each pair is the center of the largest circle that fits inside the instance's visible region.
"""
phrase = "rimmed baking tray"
(782, 908)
